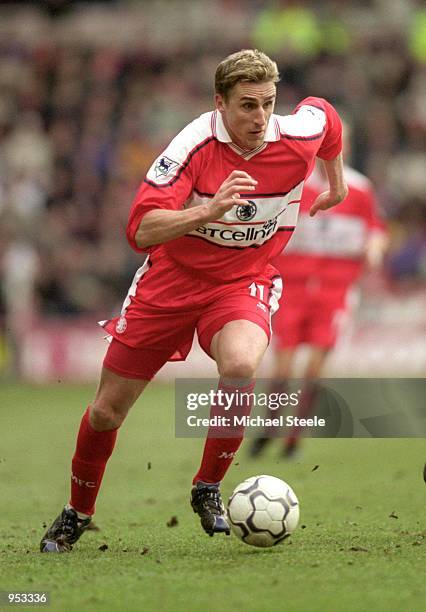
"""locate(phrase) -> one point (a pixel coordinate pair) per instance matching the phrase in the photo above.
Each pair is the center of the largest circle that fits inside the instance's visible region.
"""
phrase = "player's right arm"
(161, 225)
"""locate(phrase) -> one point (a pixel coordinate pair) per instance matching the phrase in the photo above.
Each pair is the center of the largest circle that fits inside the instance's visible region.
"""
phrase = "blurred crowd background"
(91, 92)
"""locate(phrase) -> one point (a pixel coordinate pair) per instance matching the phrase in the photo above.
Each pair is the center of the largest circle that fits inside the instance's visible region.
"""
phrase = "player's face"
(246, 112)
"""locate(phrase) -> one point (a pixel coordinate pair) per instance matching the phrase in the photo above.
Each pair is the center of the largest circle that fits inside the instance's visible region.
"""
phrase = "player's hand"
(228, 194)
(327, 200)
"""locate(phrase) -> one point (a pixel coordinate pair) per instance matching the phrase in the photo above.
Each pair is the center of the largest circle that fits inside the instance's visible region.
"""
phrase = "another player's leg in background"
(237, 349)
(282, 372)
(314, 368)
(95, 443)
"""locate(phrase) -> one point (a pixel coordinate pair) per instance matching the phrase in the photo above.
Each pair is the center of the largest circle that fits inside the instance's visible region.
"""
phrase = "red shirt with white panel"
(221, 270)
(201, 157)
(322, 261)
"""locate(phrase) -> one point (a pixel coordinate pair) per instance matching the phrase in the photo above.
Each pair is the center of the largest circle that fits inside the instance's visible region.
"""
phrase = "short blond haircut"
(248, 65)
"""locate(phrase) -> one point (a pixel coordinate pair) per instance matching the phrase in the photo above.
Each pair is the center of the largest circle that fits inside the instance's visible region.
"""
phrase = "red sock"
(219, 452)
(92, 452)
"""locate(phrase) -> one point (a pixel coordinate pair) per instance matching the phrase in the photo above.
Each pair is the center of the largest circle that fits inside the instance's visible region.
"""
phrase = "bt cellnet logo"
(249, 234)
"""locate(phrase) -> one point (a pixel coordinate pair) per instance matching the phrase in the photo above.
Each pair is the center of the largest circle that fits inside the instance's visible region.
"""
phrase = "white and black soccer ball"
(263, 511)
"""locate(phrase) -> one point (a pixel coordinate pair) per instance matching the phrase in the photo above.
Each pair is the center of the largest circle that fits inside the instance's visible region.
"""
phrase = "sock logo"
(225, 455)
(83, 483)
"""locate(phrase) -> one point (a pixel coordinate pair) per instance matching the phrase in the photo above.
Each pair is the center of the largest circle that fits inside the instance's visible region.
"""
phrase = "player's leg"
(97, 435)
(314, 367)
(144, 321)
(330, 307)
(316, 362)
(95, 443)
(237, 349)
(283, 363)
(281, 373)
(234, 330)
(325, 305)
(288, 327)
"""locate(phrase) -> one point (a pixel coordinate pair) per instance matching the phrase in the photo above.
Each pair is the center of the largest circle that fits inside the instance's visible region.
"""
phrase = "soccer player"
(324, 259)
(216, 206)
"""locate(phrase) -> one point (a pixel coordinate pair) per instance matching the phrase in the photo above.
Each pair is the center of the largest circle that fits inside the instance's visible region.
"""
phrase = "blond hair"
(248, 65)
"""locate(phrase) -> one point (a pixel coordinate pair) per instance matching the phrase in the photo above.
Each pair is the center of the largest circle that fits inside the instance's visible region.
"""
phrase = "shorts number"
(257, 291)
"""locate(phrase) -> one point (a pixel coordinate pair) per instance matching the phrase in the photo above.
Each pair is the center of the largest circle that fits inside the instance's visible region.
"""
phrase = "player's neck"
(236, 141)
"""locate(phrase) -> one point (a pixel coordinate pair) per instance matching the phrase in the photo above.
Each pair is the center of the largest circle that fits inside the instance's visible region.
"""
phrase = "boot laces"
(211, 500)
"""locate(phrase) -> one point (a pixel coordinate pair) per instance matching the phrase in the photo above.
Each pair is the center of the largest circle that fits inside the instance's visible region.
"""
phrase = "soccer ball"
(263, 511)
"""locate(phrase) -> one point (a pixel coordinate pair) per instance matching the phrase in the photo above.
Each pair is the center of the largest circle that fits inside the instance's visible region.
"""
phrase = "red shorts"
(310, 313)
(166, 305)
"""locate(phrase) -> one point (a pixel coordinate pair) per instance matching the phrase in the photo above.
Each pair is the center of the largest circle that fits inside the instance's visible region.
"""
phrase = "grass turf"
(360, 544)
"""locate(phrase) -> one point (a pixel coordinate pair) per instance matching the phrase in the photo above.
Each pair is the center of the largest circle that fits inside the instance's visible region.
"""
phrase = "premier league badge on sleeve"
(164, 166)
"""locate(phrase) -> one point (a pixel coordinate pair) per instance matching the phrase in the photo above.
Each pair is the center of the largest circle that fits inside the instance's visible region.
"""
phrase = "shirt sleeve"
(331, 143)
(168, 183)
(170, 180)
(153, 194)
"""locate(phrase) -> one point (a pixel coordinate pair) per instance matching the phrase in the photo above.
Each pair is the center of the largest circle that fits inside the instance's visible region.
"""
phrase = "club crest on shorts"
(121, 325)
(246, 212)
(164, 165)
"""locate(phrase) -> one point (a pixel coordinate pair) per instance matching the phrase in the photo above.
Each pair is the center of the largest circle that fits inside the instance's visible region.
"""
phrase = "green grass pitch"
(360, 544)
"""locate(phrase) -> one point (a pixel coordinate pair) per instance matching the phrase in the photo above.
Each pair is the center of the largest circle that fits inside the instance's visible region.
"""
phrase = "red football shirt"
(331, 246)
(197, 161)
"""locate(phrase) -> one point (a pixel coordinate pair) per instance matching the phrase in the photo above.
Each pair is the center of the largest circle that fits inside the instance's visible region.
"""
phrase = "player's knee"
(104, 415)
(237, 367)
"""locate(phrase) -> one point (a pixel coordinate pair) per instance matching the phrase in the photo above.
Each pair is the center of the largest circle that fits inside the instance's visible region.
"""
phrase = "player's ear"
(220, 102)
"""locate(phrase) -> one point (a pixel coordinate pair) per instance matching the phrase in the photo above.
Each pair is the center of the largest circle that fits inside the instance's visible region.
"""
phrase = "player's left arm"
(326, 128)
(338, 189)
